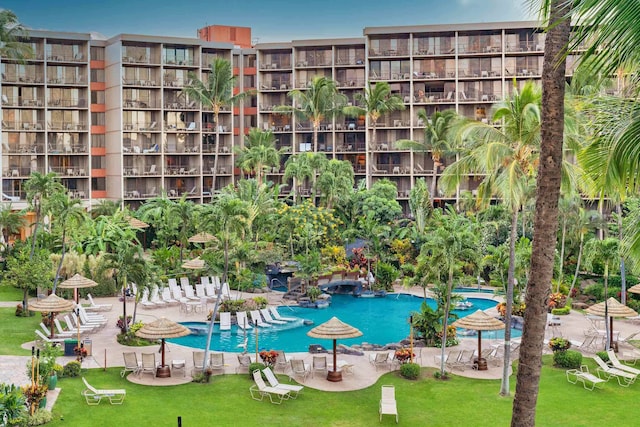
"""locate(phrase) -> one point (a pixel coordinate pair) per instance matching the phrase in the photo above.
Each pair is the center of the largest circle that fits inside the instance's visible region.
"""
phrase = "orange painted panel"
(250, 111)
(98, 129)
(236, 131)
(98, 108)
(97, 86)
(98, 173)
(98, 151)
(98, 194)
(93, 64)
(250, 71)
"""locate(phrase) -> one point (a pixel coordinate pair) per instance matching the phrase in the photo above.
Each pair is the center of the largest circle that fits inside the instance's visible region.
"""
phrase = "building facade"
(109, 115)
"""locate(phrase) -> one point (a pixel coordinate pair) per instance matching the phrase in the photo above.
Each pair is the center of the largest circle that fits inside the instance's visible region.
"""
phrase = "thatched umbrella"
(160, 330)
(611, 308)
(202, 237)
(479, 321)
(635, 289)
(136, 223)
(51, 304)
(76, 282)
(194, 264)
(334, 329)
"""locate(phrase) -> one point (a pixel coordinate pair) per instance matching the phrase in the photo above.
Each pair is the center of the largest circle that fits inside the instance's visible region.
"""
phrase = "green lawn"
(15, 331)
(10, 293)
(459, 401)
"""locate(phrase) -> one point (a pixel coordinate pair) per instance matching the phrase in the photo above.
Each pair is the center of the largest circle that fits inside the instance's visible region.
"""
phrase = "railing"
(78, 103)
(77, 80)
(22, 78)
(66, 126)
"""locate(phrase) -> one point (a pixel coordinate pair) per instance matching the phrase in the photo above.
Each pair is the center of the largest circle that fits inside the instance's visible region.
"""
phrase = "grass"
(10, 293)
(458, 401)
(15, 331)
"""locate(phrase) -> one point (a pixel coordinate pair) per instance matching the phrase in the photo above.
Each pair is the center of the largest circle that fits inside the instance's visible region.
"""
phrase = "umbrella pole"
(611, 332)
(479, 346)
(163, 371)
(51, 324)
(334, 375)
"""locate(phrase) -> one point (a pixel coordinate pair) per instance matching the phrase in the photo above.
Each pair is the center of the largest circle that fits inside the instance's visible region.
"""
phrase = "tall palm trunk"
(575, 276)
(368, 154)
(64, 247)
(216, 114)
(562, 244)
(546, 216)
(623, 272)
(445, 321)
(434, 174)
(504, 387)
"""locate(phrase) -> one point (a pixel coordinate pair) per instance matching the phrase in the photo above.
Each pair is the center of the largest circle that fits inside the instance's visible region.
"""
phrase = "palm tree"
(182, 211)
(12, 32)
(216, 92)
(376, 101)
(67, 213)
(228, 214)
(259, 153)
(556, 17)
(420, 204)
(10, 223)
(437, 140)
(567, 207)
(335, 180)
(318, 102)
(508, 158)
(105, 208)
(586, 221)
(39, 188)
(157, 212)
(297, 168)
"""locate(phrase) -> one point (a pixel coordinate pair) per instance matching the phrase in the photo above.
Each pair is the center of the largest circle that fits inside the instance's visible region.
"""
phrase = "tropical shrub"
(256, 365)
(12, 404)
(559, 344)
(313, 293)
(569, 359)
(40, 417)
(71, 369)
(386, 274)
(261, 302)
(452, 338)
(403, 355)
(556, 300)
(410, 371)
(516, 309)
(603, 355)
(561, 311)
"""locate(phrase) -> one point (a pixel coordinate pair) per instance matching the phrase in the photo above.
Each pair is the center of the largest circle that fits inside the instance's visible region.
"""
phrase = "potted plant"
(403, 355)
(559, 344)
(80, 353)
(269, 357)
(35, 395)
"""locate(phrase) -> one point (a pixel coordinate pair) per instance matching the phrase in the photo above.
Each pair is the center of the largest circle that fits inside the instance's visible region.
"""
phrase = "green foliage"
(561, 311)
(232, 306)
(40, 417)
(26, 273)
(255, 365)
(307, 227)
(378, 203)
(603, 355)
(261, 302)
(569, 359)
(386, 274)
(559, 344)
(410, 371)
(12, 404)
(71, 369)
(426, 323)
(313, 293)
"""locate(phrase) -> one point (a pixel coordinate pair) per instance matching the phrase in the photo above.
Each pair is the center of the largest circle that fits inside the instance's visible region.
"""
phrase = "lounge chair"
(241, 319)
(380, 359)
(43, 338)
(273, 382)
(259, 390)
(94, 396)
(624, 378)
(148, 364)
(257, 320)
(97, 307)
(190, 293)
(145, 301)
(131, 363)
(216, 362)
(62, 333)
(588, 380)
(613, 359)
(319, 364)
(298, 367)
(388, 402)
(267, 317)
(276, 315)
(166, 296)
(225, 321)
(244, 361)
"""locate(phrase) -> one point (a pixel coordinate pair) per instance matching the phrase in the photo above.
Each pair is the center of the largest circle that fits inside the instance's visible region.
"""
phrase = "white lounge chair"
(613, 359)
(259, 390)
(267, 317)
(624, 378)
(62, 333)
(244, 361)
(243, 322)
(588, 380)
(148, 364)
(380, 359)
(388, 402)
(298, 367)
(144, 300)
(273, 382)
(225, 321)
(97, 307)
(319, 364)
(94, 396)
(276, 315)
(43, 338)
(166, 296)
(257, 320)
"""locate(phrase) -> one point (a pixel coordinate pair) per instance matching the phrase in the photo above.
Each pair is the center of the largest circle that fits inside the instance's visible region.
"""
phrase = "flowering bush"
(80, 352)
(120, 323)
(403, 355)
(516, 309)
(559, 344)
(556, 300)
(269, 357)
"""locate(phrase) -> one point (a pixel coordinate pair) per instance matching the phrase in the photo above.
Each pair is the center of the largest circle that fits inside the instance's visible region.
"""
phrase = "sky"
(270, 20)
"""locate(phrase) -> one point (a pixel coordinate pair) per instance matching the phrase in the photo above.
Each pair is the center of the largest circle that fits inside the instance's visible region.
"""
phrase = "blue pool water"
(474, 290)
(381, 320)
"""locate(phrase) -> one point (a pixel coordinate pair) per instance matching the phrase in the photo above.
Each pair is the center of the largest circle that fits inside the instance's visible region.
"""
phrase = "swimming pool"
(381, 320)
(474, 290)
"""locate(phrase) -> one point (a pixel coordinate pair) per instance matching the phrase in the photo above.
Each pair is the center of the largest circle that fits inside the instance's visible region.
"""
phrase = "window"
(97, 140)
(97, 53)
(97, 97)
(97, 119)
(97, 75)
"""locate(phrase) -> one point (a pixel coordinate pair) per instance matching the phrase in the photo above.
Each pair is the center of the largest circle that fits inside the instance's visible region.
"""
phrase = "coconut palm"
(39, 187)
(507, 157)
(68, 213)
(297, 168)
(555, 16)
(216, 93)
(320, 101)
(375, 101)
(420, 204)
(438, 140)
(157, 212)
(259, 153)
(105, 208)
(12, 32)
(336, 179)
(182, 211)
(586, 220)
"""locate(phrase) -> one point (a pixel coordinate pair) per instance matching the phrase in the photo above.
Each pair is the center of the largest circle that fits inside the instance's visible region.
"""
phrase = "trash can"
(87, 345)
(69, 345)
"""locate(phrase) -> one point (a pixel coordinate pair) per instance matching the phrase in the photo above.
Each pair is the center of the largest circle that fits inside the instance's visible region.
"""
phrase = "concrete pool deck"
(107, 352)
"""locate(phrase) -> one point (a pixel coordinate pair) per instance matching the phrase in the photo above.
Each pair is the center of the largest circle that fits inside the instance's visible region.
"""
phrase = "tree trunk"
(445, 322)
(546, 217)
(504, 387)
(575, 276)
(560, 270)
(215, 154)
(57, 278)
(214, 313)
(368, 154)
(623, 273)
(432, 196)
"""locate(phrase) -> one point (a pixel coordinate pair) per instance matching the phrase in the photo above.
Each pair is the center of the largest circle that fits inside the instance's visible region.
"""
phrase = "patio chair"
(131, 363)
(198, 361)
(319, 364)
(153, 149)
(267, 317)
(148, 364)
(380, 359)
(259, 390)
(298, 367)
(588, 380)
(244, 361)
(94, 396)
(388, 402)
(216, 362)
(43, 338)
(282, 361)
(62, 333)
(97, 307)
(225, 321)
(613, 359)
(624, 378)
(257, 320)
(166, 296)
(276, 315)
(241, 319)
(273, 382)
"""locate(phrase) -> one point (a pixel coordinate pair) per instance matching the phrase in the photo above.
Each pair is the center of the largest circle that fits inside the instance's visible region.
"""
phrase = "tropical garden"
(553, 222)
